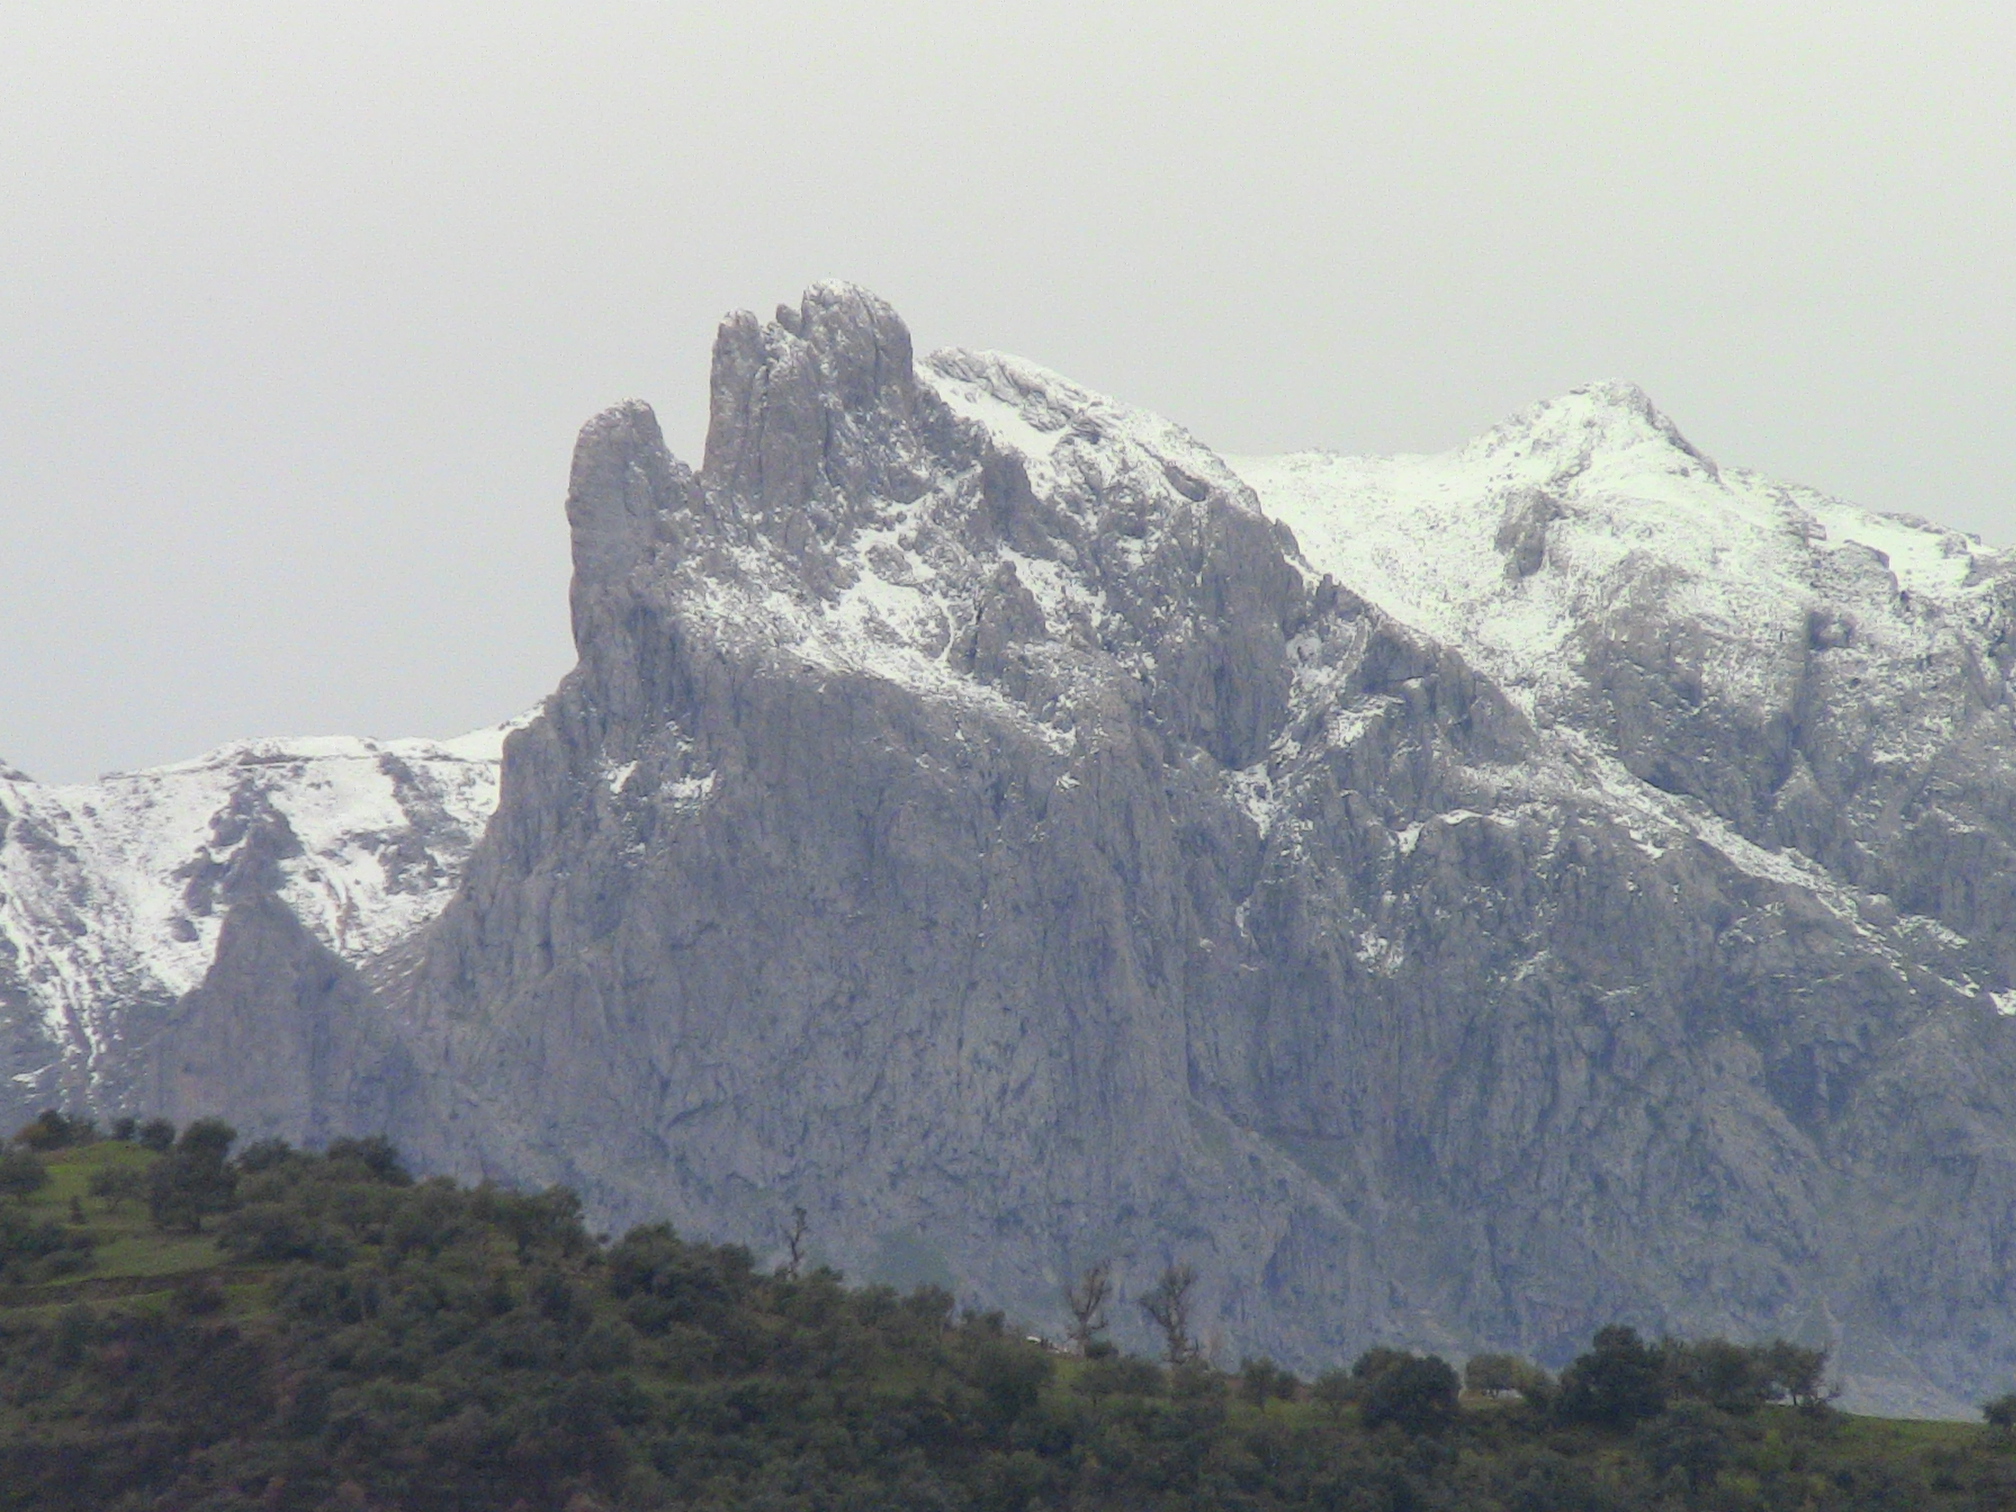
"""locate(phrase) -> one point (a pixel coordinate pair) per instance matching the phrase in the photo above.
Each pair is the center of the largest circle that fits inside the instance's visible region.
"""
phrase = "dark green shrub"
(1120, 1375)
(116, 1185)
(265, 1155)
(433, 1218)
(1729, 1376)
(32, 1252)
(50, 1130)
(1690, 1441)
(666, 1281)
(1376, 1361)
(1010, 1376)
(1262, 1381)
(374, 1157)
(539, 1222)
(272, 1232)
(1335, 1389)
(1196, 1380)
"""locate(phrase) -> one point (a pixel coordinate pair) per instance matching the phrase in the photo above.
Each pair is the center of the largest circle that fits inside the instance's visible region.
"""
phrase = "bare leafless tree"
(1087, 1298)
(1167, 1304)
(795, 1242)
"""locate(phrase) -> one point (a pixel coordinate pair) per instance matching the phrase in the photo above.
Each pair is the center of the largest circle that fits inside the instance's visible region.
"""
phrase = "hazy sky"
(301, 305)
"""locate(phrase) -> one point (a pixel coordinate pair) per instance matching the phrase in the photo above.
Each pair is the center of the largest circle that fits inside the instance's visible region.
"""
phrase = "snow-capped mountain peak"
(114, 892)
(1611, 425)
(1589, 517)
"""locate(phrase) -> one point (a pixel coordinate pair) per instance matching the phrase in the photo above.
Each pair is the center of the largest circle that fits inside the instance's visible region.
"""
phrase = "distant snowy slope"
(111, 893)
(1592, 508)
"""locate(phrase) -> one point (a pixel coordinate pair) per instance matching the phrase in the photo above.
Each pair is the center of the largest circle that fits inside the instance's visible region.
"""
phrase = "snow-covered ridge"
(1069, 436)
(1588, 513)
(113, 891)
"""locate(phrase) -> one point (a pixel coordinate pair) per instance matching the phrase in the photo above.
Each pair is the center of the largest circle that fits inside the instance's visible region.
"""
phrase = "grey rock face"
(1754, 1004)
(974, 821)
(902, 865)
(1454, 902)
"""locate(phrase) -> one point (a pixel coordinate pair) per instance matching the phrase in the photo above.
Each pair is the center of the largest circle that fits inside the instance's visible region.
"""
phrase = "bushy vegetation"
(284, 1330)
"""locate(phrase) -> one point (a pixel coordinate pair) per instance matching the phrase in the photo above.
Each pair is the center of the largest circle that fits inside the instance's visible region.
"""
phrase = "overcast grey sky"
(301, 305)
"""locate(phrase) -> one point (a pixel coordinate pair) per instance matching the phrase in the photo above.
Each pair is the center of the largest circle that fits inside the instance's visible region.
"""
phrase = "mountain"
(129, 905)
(1450, 901)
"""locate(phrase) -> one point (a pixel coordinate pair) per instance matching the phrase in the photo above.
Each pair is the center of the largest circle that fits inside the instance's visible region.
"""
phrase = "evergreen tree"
(192, 1179)
(1619, 1383)
(1419, 1393)
(22, 1173)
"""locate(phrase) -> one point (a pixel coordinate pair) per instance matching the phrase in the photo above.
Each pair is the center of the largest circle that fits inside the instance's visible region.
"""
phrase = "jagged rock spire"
(813, 408)
(623, 490)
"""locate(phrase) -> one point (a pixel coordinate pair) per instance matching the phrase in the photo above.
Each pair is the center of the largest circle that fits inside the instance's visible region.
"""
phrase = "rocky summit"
(1453, 902)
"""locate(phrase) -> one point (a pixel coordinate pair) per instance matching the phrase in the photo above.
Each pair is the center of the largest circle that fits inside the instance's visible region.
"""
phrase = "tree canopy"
(340, 1335)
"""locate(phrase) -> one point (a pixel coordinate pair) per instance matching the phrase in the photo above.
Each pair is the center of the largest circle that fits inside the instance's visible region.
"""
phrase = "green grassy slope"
(129, 1254)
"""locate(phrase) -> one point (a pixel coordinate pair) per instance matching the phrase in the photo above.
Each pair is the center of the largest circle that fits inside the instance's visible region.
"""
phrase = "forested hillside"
(181, 1328)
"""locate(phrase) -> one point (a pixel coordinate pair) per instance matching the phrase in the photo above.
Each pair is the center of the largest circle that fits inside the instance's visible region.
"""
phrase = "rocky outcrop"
(869, 874)
(1452, 902)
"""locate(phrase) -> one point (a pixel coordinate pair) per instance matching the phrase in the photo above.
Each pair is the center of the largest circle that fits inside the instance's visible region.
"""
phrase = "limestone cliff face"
(868, 860)
(1454, 902)
(974, 820)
